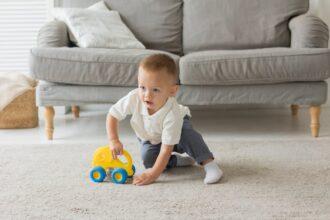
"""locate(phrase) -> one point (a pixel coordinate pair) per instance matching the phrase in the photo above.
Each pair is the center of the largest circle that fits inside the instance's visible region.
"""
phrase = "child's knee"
(148, 164)
(149, 159)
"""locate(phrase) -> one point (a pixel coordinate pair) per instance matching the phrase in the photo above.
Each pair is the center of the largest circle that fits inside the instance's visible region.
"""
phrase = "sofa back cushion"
(74, 3)
(238, 24)
(156, 23)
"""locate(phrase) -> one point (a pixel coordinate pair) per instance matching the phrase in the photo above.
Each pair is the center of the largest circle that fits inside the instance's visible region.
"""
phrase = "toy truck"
(103, 164)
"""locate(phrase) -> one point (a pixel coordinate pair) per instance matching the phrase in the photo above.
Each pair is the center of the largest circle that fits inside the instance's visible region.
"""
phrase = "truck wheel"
(133, 168)
(97, 174)
(119, 175)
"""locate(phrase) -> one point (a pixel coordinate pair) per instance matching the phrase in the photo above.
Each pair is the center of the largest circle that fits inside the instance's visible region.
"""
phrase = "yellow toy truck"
(104, 163)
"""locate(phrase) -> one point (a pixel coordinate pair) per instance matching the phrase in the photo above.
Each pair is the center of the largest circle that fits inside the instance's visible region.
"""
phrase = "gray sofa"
(227, 52)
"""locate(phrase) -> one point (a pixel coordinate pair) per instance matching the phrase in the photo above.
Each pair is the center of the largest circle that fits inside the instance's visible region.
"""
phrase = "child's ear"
(174, 90)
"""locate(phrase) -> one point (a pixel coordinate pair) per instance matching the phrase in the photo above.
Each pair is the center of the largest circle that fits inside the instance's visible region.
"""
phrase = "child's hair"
(160, 62)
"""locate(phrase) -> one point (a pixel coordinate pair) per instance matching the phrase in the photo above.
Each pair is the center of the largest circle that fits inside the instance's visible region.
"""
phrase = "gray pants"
(191, 142)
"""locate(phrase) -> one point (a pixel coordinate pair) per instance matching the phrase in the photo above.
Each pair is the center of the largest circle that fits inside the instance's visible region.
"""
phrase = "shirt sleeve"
(125, 106)
(172, 127)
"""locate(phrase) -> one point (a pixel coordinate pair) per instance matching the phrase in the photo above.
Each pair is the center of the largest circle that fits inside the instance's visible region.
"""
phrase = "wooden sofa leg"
(49, 121)
(75, 110)
(315, 119)
(294, 110)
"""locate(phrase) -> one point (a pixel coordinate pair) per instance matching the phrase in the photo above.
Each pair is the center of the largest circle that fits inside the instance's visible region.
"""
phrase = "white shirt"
(164, 126)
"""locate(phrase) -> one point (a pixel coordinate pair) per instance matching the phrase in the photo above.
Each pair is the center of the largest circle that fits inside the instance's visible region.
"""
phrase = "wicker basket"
(22, 112)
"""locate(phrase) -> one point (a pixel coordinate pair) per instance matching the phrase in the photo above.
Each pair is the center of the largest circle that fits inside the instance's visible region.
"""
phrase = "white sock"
(213, 172)
(183, 161)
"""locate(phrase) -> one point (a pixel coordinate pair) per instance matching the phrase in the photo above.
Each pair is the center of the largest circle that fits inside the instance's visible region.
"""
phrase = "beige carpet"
(262, 180)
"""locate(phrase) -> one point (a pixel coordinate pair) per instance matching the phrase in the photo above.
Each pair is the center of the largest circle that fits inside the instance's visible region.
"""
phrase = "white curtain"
(321, 8)
(20, 21)
(324, 10)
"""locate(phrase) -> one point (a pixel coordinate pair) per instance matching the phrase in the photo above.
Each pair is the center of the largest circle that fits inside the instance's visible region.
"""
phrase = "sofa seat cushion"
(256, 66)
(89, 66)
(300, 93)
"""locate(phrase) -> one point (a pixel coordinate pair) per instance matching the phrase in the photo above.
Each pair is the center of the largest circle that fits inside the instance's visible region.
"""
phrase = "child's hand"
(116, 148)
(145, 178)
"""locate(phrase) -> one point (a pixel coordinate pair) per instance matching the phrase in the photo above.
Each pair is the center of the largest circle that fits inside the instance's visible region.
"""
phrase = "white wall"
(321, 8)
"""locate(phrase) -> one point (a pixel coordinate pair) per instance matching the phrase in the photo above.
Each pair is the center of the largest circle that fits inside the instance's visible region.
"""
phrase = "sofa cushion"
(89, 66)
(59, 14)
(238, 24)
(156, 23)
(98, 29)
(255, 66)
(300, 93)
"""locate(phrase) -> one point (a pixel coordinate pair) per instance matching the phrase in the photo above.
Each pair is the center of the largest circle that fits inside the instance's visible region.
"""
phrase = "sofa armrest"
(308, 31)
(53, 34)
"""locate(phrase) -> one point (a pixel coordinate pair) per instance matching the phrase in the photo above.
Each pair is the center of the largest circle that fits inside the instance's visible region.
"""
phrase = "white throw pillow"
(99, 6)
(59, 14)
(98, 28)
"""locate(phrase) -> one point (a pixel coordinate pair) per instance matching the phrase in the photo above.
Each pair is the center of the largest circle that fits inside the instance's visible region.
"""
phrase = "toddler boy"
(160, 123)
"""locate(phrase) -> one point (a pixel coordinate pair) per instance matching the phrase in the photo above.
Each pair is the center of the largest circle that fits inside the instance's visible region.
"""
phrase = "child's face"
(155, 89)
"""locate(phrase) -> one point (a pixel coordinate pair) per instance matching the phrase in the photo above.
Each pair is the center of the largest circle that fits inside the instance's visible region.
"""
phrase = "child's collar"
(164, 109)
